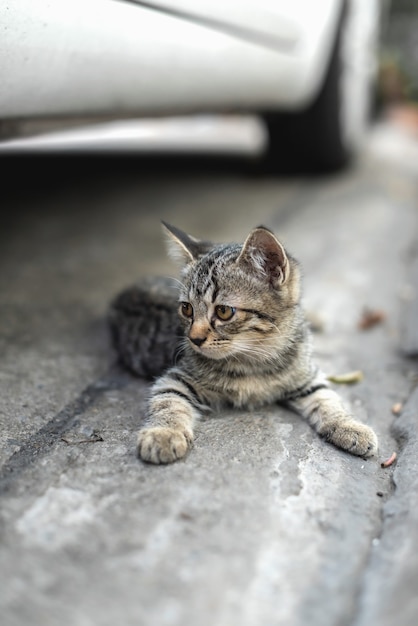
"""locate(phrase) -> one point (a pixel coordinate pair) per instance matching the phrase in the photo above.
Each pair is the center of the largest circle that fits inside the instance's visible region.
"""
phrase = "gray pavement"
(263, 523)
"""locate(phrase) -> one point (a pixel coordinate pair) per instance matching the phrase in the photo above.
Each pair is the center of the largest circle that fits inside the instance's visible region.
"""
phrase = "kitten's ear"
(183, 246)
(263, 253)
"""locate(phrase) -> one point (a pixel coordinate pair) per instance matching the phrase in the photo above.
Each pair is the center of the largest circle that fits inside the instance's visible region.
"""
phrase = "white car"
(306, 66)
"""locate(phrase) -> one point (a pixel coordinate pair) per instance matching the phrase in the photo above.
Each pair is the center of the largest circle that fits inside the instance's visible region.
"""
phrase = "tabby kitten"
(233, 335)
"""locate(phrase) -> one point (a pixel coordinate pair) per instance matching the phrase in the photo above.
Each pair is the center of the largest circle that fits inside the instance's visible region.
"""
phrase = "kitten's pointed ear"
(265, 255)
(183, 246)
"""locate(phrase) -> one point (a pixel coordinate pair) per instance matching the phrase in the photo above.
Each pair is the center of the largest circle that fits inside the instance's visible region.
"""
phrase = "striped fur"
(240, 339)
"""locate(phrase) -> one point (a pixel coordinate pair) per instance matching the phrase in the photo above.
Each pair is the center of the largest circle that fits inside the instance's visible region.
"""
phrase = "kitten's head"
(236, 300)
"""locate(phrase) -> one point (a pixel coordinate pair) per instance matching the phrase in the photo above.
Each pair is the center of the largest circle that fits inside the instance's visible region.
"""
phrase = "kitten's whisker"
(176, 280)
(180, 349)
(257, 354)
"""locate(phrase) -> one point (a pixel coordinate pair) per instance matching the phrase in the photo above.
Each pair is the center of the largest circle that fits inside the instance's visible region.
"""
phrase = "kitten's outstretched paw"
(163, 445)
(354, 437)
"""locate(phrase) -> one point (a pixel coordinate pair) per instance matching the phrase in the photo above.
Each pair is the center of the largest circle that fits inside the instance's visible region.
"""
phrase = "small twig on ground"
(397, 408)
(389, 461)
(93, 439)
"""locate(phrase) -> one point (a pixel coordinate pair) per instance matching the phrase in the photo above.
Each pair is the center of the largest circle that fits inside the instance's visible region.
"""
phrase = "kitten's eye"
(186, 309)
(224, 312)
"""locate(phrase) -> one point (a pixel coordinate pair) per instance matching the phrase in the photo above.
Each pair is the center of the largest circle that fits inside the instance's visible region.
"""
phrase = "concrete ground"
(263, 523)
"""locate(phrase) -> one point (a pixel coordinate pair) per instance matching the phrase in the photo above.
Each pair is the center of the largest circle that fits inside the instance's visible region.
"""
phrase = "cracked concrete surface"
(390, 591)
(263, 522)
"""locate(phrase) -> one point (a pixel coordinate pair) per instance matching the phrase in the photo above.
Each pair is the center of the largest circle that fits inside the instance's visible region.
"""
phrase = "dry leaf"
(349, 378)
(370, 318)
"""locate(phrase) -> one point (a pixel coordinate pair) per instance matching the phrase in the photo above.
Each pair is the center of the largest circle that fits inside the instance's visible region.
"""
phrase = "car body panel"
(280, 24)
(102, 57)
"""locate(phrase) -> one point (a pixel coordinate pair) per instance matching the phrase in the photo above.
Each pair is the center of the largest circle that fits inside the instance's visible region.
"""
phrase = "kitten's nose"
(197, 340)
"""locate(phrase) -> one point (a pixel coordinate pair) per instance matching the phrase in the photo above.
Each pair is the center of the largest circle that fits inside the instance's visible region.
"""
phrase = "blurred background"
(398, 77)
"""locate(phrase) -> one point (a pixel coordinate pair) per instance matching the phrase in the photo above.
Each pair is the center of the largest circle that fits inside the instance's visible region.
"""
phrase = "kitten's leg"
(172, 409)
(324, 410)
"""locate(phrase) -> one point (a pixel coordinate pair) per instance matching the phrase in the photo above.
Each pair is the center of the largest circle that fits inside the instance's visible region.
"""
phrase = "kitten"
(234, 335)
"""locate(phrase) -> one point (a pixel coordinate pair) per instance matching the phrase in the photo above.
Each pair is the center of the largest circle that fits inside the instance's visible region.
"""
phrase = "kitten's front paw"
(163, 445)
(353, 437)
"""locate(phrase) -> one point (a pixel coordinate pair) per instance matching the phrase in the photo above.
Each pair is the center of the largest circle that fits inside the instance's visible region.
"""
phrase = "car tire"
(325, 136)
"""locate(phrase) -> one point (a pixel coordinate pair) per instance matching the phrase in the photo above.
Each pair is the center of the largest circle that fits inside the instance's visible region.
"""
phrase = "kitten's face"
(236, 300)
(225, 312)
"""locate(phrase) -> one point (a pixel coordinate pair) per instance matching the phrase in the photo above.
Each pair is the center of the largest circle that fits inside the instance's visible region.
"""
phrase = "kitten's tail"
(145, 327)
